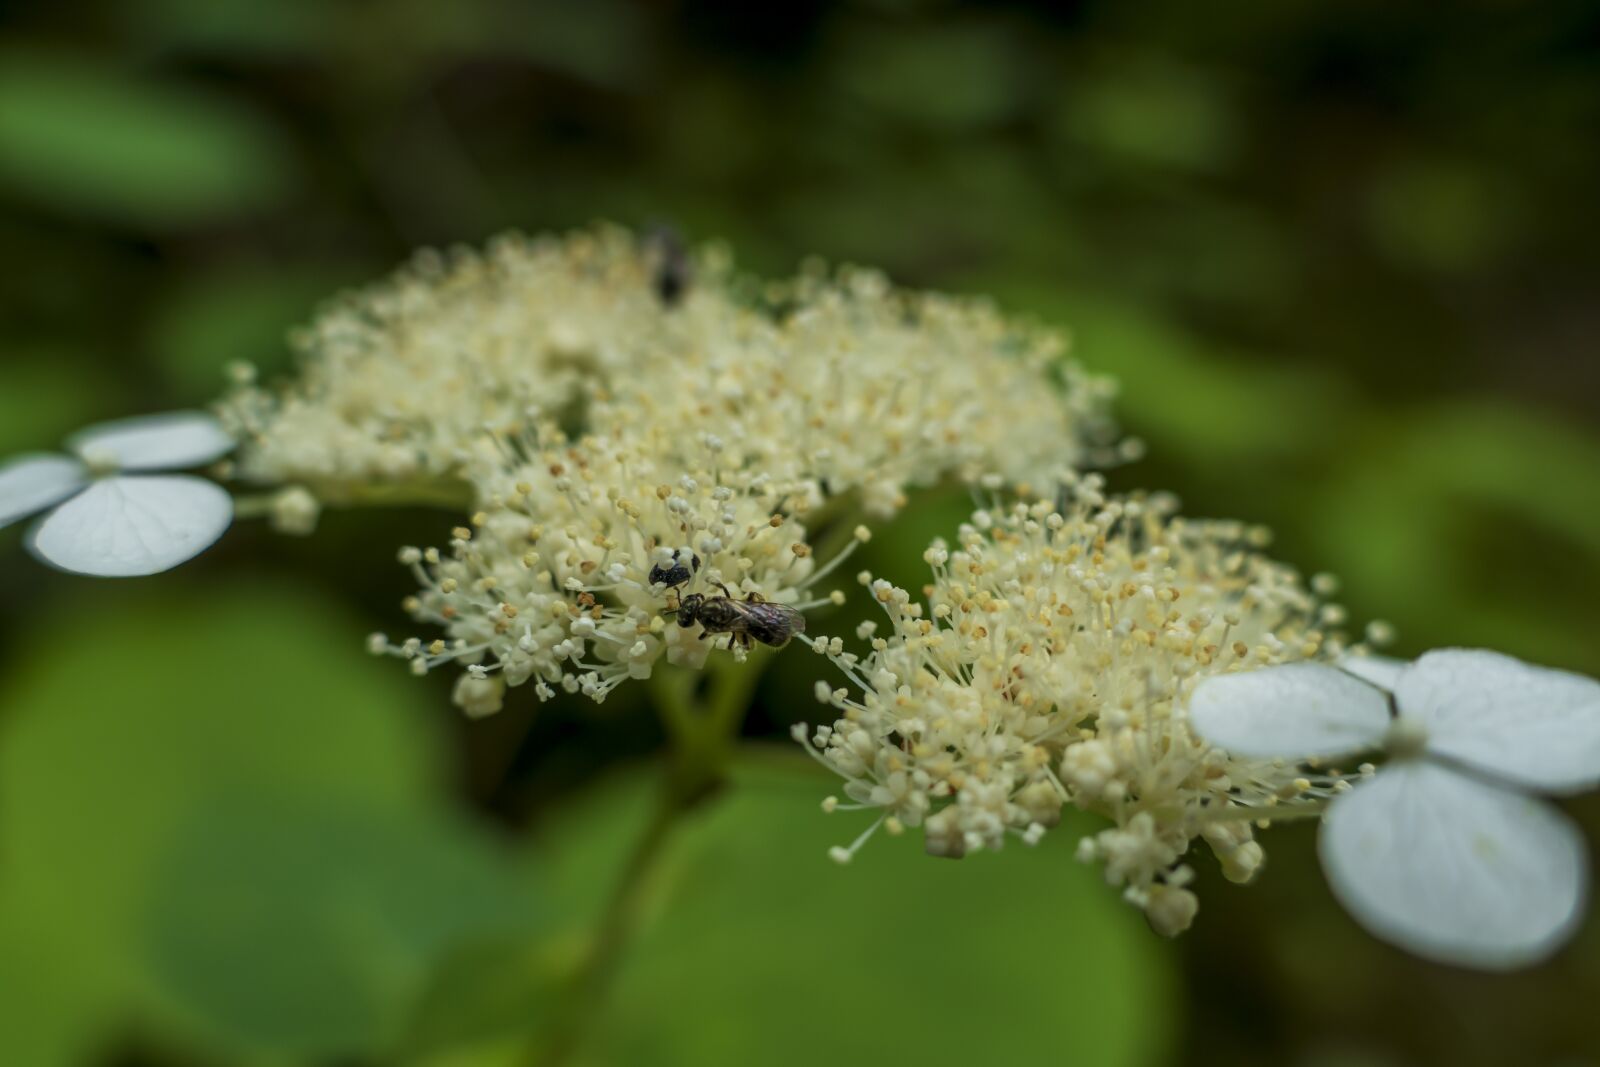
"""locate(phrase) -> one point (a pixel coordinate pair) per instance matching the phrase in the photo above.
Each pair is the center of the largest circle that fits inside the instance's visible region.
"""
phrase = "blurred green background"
(1336, 254)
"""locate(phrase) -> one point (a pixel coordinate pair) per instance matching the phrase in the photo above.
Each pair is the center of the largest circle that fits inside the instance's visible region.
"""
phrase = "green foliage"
(1423, 501)
(244, 314)
(1187, 399)
(758, 949)
(1441, 215)
(953, 74)
(343, 914)
(57, 1005)
(605, 47)
(1332, 254)
(1140, 112)
(486, 996)
(46, 397)
(238, 27)
(78, 138)
(244, 833)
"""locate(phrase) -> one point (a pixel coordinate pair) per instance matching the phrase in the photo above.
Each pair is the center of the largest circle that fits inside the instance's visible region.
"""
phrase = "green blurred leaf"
(1150, 113)
(487, 993)
(762, 951)
(895, 551)
(241, 831)
(130, 711)
(82, 139)
(606, 46)
(131, 707)
(241, 27)
(1441, 215)
(243, 314)
(342, 914)
(1190, 400)
(54, 1012)
(47, 395)
(503, 1053)
(718, 134)
(1420, 504)
(941, 74)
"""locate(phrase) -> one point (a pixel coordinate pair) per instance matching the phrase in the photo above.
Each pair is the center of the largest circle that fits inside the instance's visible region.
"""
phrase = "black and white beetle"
(676, 573)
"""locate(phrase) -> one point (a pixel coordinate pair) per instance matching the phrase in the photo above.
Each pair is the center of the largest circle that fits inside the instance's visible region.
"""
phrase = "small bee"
(673, 271)
(748, 620)
(678, 572)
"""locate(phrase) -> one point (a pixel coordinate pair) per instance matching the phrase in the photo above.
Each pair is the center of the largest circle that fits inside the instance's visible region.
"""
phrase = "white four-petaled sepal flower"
(111, 513)
(1381, 671)
(1442, 851)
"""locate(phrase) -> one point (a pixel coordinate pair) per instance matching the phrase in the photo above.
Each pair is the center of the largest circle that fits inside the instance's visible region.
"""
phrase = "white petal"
(1381, 671)
(32, 483)
(157, 442)
(1531, 726)
(1298, 709)
(120, 527)
(1453, 868)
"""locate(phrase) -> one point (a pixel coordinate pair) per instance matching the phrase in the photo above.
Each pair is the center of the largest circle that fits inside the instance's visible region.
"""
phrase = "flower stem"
(586, 994)
(252, 506)
(703, 729)
(449, 494)
(1276, 813)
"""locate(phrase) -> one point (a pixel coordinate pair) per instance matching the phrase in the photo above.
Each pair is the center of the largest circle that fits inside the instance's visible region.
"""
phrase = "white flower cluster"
(553, 582)
(839, 380)
(600, 431)
(1050, 665)
(400, 382)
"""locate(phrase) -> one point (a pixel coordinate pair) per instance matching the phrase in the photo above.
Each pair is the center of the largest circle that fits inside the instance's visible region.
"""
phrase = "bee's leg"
(755, 598)
(725, 590)
(703, 634)
(746, 641)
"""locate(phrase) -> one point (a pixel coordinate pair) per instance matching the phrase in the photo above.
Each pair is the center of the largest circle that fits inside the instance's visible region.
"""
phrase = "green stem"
(450, 493)
(253, 505)
(437, 493)
(1276, 813)
(703, 734)
(703, 727)
(586, 994)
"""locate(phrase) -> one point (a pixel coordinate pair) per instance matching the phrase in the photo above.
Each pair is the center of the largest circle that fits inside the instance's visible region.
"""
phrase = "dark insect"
(748, 620)
(673, 269)
(677, 572)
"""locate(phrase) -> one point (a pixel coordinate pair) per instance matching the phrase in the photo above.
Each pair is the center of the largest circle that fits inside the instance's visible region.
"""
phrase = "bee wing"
(778, 615)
